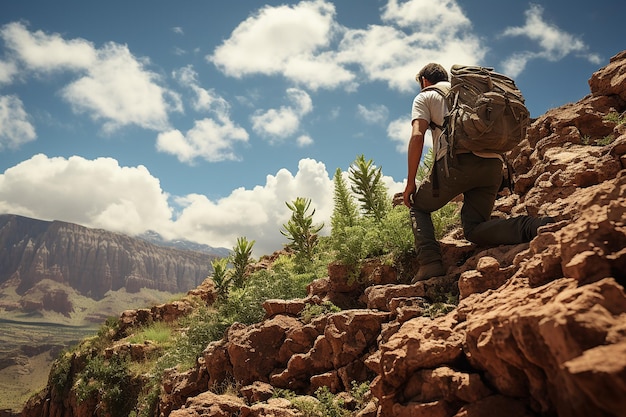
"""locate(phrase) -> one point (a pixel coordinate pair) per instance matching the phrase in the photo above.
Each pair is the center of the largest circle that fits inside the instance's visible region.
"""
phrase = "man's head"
(433, 73)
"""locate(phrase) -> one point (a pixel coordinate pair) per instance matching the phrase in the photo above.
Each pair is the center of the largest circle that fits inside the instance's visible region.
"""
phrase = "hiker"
(476, 175)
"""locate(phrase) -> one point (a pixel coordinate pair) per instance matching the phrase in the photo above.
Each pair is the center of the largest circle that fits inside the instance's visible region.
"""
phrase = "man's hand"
(409, 190)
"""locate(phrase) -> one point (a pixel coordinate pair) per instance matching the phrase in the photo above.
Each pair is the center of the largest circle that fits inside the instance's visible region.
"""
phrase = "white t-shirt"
(429, 105)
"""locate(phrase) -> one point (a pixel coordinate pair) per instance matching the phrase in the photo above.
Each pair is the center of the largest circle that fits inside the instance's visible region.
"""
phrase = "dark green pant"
(478, 179)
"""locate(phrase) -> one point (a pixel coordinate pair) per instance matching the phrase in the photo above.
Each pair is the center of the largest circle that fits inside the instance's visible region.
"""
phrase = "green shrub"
(110, 381)
(446, 219)
(59, 378)
(325, 403)
(158, 332)
(244, 305)
(312, 311)
(359, 393)
(202, 327)
(384, 231)
(615, 117)
(605, 140)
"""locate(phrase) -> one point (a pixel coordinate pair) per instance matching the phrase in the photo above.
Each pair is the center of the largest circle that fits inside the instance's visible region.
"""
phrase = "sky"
(200, 119)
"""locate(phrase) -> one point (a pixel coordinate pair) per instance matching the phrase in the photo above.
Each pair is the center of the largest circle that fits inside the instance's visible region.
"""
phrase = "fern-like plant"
(221, 277)
(300, 229)
(367, 184)
(346, 211)
(424, 168)
(241, 258)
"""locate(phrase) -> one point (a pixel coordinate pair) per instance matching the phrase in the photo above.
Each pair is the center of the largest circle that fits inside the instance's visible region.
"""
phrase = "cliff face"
(540, 329)
(92, 261)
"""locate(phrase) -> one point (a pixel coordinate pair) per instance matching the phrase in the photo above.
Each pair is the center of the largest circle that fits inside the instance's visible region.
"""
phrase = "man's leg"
(426, 246)
(424, 203)
(478, 204)
(509, 231)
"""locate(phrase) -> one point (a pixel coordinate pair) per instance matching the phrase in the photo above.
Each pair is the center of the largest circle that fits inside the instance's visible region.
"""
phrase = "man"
(475, 175)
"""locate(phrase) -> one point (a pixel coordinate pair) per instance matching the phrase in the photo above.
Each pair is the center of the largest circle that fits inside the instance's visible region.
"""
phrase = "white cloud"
(306, 45)
(205, 100)
(15, 126)
(42, 52)
(8, 70)
(376, 114)
(304, 140)
(121, 92)
(211, 139)
(281, 123)
(554, 43)
(286, 40)
(429, 16)
(258, 213)
(113, 87)
(94, 193)
(392, 56)
(100, 193)
(399, 131)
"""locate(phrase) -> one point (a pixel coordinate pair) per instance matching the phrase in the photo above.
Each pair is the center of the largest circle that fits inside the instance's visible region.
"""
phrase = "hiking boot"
(429, 270)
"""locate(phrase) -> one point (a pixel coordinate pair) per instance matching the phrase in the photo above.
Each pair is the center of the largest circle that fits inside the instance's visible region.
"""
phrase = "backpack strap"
(443, 91)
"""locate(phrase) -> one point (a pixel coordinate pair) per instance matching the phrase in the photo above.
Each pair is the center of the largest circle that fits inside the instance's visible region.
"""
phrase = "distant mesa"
(94, 261)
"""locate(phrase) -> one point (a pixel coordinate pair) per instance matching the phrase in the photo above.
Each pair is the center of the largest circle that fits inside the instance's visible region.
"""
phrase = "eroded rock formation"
(91, 261)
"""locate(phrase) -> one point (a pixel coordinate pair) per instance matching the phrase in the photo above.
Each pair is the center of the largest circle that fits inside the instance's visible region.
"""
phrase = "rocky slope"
(540, 329)
(90, 261)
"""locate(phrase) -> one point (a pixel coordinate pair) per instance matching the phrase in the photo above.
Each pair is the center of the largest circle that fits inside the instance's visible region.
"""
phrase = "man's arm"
(416, 145)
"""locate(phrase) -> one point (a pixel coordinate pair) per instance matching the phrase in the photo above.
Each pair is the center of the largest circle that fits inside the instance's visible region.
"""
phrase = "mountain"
(539, 329)
(92, 261)
(155, 238)
(60, 281)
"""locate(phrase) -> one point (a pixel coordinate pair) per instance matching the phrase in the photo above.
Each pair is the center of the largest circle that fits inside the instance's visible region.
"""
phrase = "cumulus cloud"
(278, 124)
(100, 193)
(15, 126)
(289, 40)
(211, 139)
(399, 131)
(112, 86)
(393, 55)
(554, 43)
(39, 51)
(257, 213)
(119, 91)
(441, 17)
(306, 45)
(94, 193)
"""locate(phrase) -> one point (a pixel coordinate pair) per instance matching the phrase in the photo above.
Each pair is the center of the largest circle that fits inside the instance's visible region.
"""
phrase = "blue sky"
(200, 119)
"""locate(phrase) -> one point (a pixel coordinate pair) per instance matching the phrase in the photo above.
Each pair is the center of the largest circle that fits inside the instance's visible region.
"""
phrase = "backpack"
(486, 111)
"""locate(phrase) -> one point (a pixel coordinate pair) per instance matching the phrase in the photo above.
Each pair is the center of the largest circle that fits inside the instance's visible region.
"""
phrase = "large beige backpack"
(486, 111)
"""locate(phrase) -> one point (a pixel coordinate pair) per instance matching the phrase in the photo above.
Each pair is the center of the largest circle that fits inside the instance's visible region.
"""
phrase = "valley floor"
(27, 351)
